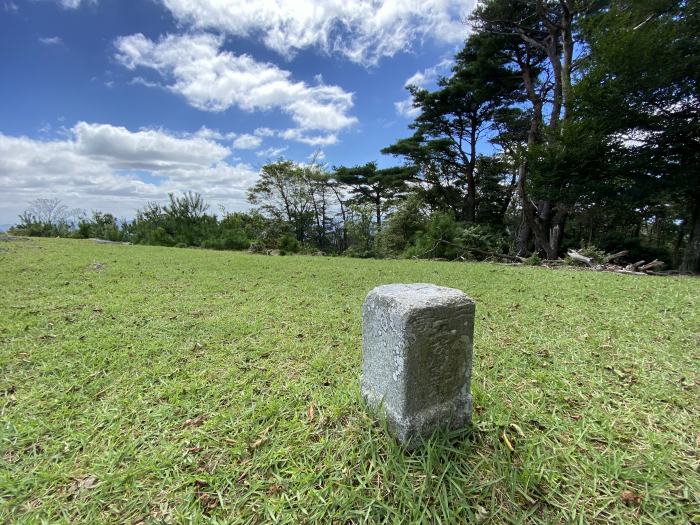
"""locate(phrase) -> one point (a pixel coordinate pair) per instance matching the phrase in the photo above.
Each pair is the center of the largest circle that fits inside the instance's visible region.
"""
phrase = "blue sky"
(107, 104)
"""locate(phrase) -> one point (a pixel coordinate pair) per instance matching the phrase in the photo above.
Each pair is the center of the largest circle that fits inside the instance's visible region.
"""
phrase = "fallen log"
(650, 266)
(580, 258)
(630, 272)
(553, 262)
(617, 255)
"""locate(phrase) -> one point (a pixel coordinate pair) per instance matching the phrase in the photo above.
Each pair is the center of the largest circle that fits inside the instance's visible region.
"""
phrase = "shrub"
(483, 238)
(234, 240)
(595, 254)
(534, 260)
(438, 240)
(287, 243)
(400, 229)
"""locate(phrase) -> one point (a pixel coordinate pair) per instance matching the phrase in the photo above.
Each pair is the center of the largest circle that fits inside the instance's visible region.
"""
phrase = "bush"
(534, 260)
(400, 229)
(359, 252)
(483, 238)
(595, 254)
(287, 243)
(235, 240)
(438, 240)
(230, 241)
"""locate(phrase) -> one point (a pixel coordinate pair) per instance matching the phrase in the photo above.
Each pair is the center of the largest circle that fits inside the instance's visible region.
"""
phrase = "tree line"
(562, 124)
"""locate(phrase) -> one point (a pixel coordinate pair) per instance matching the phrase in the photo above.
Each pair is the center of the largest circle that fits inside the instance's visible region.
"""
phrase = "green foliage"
(102, 226)
(439, 239)
(41, 229)
(400, 230)
(594, 253)
(371, 186)
(637, 89)
(534, 260)
(288, 244)
(483, 238)
(360, 230)
(445, 238)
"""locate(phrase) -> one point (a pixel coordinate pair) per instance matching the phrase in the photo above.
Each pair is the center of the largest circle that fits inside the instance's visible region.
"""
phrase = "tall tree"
(642, 90)
(538, 39)
(283, 193)
(370, 185)
(453, 119)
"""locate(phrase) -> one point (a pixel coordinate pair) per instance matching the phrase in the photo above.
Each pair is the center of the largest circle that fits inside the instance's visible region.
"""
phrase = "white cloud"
(264, 132)
(212, 79)
(271, 153)
(213, 134)
(142, 81)
(153, 150)
(422, 79)
(431, 74)
(311, 140)
(363, 31)
(298, 135)
(405, 108)
(100, 165)
(247, 141)
(51, 40)
(74, 4)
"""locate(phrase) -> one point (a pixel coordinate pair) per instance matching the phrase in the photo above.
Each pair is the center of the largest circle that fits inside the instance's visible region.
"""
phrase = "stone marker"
(417, 358)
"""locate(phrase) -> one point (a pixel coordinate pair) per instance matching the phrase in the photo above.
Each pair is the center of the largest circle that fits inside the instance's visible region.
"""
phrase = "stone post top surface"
(420, 294)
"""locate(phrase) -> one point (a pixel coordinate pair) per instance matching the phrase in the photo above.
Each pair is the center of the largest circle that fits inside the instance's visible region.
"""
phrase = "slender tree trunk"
(680, 234)
(566, 66)
(523, 237)
(378, 210)
(556, 231)
(509, 196)
(691, 257)
(469, 213)
(470, 209)
(343, 214)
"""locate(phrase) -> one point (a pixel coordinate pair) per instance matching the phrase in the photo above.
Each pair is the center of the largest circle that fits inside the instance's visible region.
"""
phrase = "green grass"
(172, 385)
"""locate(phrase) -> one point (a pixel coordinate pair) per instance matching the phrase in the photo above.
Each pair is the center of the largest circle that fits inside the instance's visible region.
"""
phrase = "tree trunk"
(556, 231)
(523, 237)
(509, 197)
(567, 59)
(378, 211)
(680, 234)
(343, 214)
(470, 211)
(691, 257)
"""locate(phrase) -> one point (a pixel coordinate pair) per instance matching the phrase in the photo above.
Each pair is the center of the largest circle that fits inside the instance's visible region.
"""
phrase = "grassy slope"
(176, 385)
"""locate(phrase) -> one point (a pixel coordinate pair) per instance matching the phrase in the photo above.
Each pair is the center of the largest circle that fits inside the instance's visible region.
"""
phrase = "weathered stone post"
(417, 358)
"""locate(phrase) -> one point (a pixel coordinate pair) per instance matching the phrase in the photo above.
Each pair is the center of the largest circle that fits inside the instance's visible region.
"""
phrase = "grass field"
(163, 385)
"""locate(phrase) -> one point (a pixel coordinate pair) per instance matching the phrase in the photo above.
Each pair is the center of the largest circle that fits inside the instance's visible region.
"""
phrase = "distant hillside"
(5, 227)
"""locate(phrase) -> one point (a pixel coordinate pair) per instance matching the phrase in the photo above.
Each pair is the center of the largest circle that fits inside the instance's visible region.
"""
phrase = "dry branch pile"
(638, 268)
